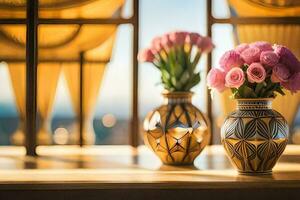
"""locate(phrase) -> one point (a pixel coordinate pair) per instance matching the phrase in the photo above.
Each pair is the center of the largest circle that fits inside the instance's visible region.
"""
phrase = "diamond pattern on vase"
(255, 139)
(176, 132)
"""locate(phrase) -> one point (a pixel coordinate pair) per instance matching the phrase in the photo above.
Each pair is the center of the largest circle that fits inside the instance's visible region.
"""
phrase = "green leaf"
(184, 78)
(235, 93)
(195, 62)
(259, 87)
(244, 67)
(193, 81)
(165, 78)
(246, 92)
(174, 81)
(165, 74)
(269, 94)
(280, 91)
(178, 70)
(269, 90)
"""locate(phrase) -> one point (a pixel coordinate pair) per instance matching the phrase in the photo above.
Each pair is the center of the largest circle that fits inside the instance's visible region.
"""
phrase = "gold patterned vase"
(177, 131)
(254, 136)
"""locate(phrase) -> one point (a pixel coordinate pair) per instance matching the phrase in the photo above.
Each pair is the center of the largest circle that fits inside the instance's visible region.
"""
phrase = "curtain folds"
(48, 75)
(288, 35)
(92, 76)
(54, 44)
(63, 8)
(17, 77)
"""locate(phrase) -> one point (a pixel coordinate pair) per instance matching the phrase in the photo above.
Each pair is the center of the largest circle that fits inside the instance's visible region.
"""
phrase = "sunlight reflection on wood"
(124, 165)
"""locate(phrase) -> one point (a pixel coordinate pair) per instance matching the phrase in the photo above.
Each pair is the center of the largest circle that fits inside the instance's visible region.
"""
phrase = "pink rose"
(287, 58)
(251, 55)
(262, 45)
(230, 59)
(178, 38)
(269, 58)
(166, 42)
(293, 84)
(193, 38)
(145, 55)
(256, 73)
(205, 44)
(280, 73)
(156, 44)
(240, 48)
(216, 79)
(234, 78)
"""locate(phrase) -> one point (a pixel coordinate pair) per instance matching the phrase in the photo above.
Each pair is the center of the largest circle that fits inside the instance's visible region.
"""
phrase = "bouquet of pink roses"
(256, 70)
(176, 55)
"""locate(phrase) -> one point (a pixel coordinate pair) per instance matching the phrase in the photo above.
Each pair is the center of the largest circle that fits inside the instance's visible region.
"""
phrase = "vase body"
(254, 136)
(176, 131)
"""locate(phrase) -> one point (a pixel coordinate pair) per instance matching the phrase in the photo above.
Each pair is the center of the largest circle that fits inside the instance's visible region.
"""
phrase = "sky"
(156, 18)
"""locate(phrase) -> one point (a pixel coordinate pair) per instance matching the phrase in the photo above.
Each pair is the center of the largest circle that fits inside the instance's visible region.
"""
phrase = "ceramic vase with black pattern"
(177, 131)
(254, 136)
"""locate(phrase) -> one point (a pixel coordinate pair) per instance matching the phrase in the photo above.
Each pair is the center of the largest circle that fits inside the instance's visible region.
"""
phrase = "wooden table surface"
(122, 172)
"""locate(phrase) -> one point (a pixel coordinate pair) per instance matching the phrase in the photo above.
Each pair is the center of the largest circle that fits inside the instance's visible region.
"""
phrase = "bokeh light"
(109, 120)
(61, 136)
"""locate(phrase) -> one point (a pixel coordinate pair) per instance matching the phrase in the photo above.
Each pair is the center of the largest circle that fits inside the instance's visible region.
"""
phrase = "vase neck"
(177, 97)
(254, 104)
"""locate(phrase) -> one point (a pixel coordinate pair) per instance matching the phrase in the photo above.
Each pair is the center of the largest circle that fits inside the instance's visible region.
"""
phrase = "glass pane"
(12, 87)
(113, 112)
(127, 10)
(220, 9)
(220, 31)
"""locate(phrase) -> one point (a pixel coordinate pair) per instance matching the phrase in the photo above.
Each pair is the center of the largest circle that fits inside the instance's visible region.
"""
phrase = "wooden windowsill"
(99, 168)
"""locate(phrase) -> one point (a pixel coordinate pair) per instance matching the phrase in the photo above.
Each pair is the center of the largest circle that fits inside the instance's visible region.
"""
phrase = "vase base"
(179, 164)
(254, 173)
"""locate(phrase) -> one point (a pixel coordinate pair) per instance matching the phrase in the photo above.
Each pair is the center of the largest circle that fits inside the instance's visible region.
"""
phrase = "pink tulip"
(234, 78)
(216, 79)
(240, 48)
(251, 55)
(281, 73)
(256, 73)
(262, 45)
(178, 38)
(166, 42)
(230, 59)
(156, 44)
(205, 44)
(269, 58)
(193, 38)
(146, 55)
(293, 84)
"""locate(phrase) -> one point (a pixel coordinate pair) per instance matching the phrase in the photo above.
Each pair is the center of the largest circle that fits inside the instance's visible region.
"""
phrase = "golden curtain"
(63, 8)
(48, 74)
(288, 35)
(17, 77)
(92, 78)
